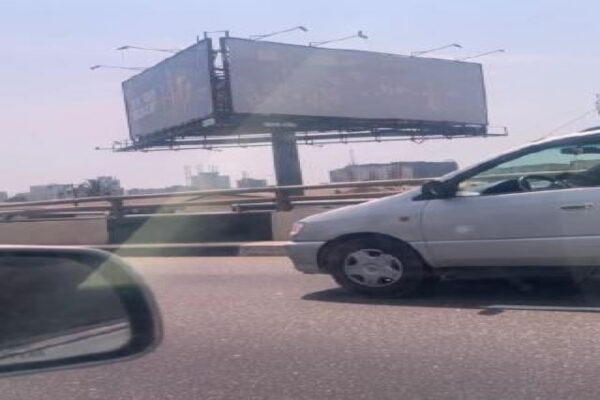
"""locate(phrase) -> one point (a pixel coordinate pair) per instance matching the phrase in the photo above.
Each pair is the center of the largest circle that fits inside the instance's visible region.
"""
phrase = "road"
(252, 328)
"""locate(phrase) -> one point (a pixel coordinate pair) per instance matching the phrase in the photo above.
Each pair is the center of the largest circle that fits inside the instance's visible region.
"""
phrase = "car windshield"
(328, 199)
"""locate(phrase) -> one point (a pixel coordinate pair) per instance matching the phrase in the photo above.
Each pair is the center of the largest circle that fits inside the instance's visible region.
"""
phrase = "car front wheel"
(376, 267)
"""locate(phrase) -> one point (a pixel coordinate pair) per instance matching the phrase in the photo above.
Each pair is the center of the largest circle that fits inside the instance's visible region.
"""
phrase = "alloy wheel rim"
(373, 268)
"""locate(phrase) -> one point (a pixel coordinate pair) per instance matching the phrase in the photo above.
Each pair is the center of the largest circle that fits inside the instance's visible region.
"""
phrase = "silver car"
(531, 211)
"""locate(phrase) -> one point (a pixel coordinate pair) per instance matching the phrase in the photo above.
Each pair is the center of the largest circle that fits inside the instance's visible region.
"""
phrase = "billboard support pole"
(287, 167)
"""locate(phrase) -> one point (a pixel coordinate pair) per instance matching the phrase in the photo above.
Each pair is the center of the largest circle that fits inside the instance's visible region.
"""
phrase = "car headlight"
(296, 228)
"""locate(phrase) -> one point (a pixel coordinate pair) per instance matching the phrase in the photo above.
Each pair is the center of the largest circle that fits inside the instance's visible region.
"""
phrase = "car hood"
(380, 215)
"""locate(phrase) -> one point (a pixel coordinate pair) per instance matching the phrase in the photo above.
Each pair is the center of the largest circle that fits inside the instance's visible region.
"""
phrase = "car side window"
(559, 167)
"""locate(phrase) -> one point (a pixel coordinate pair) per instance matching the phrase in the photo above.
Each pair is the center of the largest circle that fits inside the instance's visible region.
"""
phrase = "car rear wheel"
(376, 267)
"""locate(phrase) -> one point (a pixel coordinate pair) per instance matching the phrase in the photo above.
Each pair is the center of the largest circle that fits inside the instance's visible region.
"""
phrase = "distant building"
(209, 180)
(51, 191)
(393, 170)
(3, 196)
(247, 182)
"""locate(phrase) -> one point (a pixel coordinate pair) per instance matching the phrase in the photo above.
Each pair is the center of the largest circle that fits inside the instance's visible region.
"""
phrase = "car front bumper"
(304, 256)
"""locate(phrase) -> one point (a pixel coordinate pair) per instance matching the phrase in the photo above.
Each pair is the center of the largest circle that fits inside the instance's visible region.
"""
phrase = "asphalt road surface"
(253, 328)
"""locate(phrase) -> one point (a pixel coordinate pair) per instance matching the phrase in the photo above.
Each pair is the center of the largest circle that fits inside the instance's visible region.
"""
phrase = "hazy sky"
(54, 110)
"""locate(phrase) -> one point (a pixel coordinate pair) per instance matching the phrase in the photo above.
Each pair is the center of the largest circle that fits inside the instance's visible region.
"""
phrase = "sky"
(54, 111)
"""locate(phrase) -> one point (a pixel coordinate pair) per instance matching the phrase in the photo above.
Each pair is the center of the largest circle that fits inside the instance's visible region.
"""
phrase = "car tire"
(376, 266)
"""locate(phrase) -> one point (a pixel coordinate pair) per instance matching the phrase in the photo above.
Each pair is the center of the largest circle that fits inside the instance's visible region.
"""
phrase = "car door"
(493, 222)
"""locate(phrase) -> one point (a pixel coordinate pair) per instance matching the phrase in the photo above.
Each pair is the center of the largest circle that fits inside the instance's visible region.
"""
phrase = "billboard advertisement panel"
(281, 79)
(174, 92)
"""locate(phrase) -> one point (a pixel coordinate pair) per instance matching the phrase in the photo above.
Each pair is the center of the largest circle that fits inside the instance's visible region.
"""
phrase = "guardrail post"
(282, 200)
(116, 210)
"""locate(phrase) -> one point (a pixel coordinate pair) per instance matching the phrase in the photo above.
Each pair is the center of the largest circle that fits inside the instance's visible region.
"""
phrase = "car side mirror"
(436, 190)
(64, 307)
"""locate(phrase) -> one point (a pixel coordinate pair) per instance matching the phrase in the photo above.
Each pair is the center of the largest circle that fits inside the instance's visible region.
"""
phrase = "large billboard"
(280, 79)
(172, 93)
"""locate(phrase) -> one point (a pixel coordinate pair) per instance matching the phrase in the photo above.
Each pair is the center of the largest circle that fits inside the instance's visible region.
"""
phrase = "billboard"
(280, 79)
(172, 93)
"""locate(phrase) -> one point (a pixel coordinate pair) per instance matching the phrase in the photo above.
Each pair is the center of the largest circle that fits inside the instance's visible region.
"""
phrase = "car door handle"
(577, 207)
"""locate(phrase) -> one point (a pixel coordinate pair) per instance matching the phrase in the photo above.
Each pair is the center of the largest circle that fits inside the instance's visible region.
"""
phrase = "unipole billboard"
(221, 98)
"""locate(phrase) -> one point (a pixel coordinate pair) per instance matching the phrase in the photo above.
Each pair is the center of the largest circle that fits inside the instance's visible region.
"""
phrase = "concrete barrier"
(74, 231)
(158, 228)
(240, 249)
(282, 221)
(191, 228)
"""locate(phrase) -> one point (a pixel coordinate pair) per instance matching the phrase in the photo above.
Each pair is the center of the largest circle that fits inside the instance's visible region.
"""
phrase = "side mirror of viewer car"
(64, 307)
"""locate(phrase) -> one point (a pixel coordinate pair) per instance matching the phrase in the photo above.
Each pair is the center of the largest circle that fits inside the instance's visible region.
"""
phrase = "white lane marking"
(541, 308)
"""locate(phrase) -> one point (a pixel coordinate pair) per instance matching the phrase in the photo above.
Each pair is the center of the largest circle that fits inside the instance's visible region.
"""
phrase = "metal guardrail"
(282, 199)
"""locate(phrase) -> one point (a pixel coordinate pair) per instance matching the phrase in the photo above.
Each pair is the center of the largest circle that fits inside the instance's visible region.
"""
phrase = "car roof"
(589, 132)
